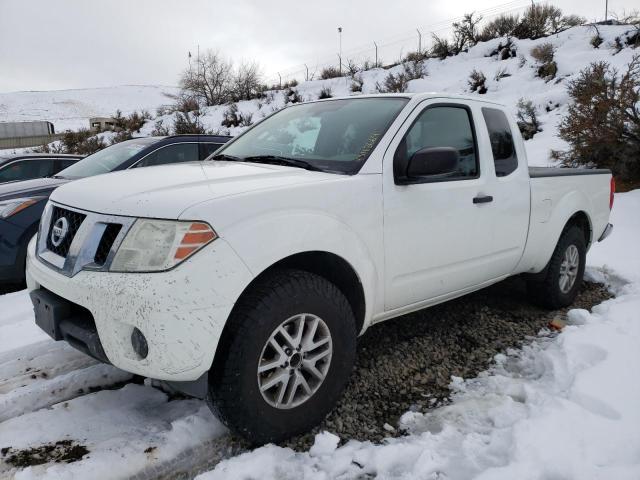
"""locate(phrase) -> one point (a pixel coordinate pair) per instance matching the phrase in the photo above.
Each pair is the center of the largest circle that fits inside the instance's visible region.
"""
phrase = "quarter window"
(502, 146)
(175, 153)
(443, 126)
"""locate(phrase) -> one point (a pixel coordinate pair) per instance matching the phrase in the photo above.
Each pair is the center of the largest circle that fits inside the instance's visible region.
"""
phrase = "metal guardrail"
(23, 142)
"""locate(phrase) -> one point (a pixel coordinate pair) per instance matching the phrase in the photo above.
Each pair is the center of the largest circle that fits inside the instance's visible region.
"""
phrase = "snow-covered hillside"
(573, 53)
(71, 109)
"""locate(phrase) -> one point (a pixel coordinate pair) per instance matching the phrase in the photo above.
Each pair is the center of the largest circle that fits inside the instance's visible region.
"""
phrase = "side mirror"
(433, 161)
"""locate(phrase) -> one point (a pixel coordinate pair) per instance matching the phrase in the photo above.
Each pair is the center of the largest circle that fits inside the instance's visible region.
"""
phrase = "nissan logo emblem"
(59, 231)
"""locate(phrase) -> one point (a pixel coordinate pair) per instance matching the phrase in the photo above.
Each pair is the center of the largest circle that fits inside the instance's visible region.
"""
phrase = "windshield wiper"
(286, 161)
(224, 156)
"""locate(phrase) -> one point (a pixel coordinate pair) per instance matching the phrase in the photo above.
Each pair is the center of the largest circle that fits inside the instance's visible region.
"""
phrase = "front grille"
(74, 220)
(106, 242)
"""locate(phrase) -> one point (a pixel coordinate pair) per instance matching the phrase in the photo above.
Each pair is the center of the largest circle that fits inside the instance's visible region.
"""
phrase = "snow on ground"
(71, 109)
(563, 407)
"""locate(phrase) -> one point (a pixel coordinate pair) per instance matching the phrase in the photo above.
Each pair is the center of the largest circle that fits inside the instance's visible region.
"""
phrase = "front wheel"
(286, 357)
(559, 284)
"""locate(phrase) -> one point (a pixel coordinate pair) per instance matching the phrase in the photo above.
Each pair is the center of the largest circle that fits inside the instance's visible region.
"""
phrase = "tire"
(279, 300)
(546, 289)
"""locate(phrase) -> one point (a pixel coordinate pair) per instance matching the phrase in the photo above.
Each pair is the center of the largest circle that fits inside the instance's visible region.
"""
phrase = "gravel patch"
(407, 363)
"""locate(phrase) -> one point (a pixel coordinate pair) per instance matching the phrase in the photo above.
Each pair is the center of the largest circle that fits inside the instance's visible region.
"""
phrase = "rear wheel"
(285, 358)
(558, 286)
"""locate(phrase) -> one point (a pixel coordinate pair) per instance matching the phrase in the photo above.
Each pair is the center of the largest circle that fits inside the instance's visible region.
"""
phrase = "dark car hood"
(30, 188)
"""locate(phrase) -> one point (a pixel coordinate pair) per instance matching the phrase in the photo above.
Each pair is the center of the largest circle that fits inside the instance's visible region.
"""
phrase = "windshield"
(106, 160)
(334, 135)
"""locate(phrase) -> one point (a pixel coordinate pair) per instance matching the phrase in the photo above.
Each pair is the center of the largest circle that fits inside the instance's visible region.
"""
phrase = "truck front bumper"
(181, 313)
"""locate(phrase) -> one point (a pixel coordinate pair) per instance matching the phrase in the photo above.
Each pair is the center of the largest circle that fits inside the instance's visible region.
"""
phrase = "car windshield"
(334, 135)
(106, 160)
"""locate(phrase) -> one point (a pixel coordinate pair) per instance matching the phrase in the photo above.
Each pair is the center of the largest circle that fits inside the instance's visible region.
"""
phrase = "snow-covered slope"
(573, 53)
(71, 109)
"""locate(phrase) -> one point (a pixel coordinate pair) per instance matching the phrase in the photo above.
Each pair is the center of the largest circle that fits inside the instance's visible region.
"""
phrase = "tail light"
(612, 191)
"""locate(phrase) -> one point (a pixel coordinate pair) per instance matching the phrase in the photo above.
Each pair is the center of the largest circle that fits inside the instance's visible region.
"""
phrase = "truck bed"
(538, 172)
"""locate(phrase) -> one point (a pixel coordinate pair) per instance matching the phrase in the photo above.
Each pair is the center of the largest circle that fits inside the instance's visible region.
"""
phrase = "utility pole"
(340, 49)
(419, 40)
(606, 9)
(280, 80)
(307, 75)
(376, 64)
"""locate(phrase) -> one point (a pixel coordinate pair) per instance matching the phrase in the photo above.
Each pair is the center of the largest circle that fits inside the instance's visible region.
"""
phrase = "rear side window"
(174, 153)
(502, 146)
(26, 170)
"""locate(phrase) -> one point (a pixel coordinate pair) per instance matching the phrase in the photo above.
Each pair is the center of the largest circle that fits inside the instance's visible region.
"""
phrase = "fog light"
(139, 343)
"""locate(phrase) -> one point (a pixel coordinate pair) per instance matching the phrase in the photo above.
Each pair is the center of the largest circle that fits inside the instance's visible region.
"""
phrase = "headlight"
(15, 205)
(157, 245)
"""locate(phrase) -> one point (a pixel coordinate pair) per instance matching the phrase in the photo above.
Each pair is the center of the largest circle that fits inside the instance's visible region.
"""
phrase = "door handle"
(483, 199)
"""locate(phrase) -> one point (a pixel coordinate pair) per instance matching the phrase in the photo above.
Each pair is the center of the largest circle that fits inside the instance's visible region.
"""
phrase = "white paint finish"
(181, 312)
(410, 246)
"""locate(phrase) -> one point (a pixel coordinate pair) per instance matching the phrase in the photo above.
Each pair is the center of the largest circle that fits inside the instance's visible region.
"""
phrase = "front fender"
(263, 241)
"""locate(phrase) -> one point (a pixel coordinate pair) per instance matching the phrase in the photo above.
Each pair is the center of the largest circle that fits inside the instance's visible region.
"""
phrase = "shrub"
(501, 26)
(247, 82)
(82, 142)
(234, 118)
(325, 93)
(477, 82)
(369, 64)
(397, 83)
(505, 51)
(291, 95)
(542, 20)
(547, 67)
(441, 48)
(160, 130)
(357, 83)
(465, 32)
(596, 41)
(602, 125)
(527, 119)
(501, 73)
(416, 56)
(188, 123)
(352, 68)
(330, 72)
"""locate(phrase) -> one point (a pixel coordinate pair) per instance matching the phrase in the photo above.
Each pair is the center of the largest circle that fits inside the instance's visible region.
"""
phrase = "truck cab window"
(502, 146)
(443, 126)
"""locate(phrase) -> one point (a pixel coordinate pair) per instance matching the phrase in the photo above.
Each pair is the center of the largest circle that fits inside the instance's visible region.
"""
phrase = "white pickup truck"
(246, 279)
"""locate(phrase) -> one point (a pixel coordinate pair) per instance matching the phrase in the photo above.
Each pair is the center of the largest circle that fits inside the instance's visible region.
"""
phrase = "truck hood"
(166, 191)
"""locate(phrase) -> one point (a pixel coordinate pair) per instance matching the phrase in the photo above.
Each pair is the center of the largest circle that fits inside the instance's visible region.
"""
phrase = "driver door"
(436, 237)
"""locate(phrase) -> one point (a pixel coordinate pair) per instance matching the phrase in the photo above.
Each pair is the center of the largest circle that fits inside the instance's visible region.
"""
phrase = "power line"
(389, 41)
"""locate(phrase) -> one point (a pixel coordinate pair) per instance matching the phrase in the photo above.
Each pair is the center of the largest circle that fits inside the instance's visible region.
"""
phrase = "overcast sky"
(64, 44)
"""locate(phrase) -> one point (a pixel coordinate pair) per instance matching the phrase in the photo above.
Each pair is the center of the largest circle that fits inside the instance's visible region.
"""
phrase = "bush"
(602, 125)
(543, 20)
(291, 95)
(501, 26)
(596, 41)
(160, 130)
(234, 118)
(397, 83)
(188, 123)
(527, 119)
(82, 142)
(330, 72)
(500, 74)
(357, 83)
(543, 54)
(441, 48)
(505, 51)
(477, 82)
(416, 56)
(247, 82)
(325, 93)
